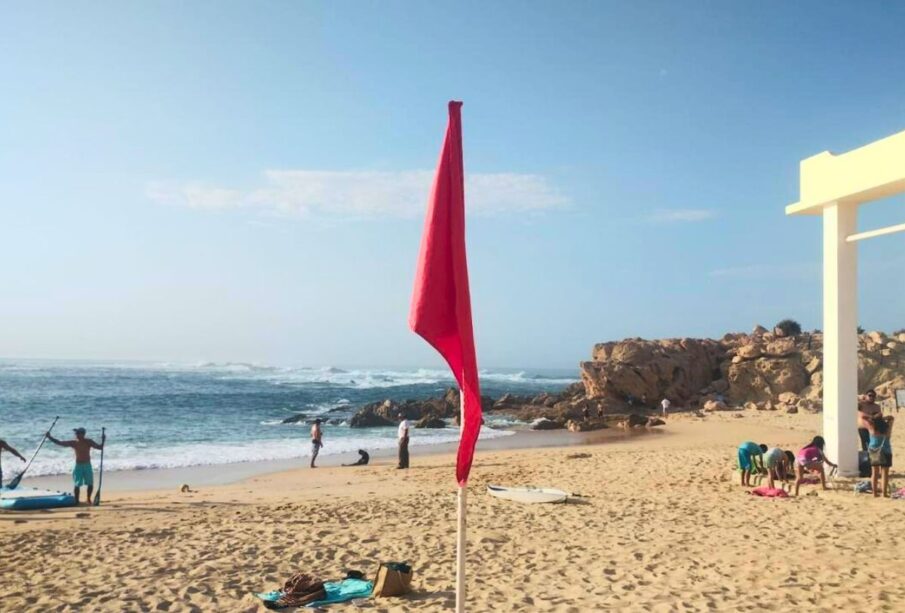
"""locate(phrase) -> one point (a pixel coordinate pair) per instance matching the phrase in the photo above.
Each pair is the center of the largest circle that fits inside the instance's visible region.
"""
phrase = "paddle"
(18, 478)
(100, 479)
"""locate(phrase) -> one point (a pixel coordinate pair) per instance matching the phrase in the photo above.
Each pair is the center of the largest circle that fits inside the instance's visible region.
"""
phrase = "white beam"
(860, 236)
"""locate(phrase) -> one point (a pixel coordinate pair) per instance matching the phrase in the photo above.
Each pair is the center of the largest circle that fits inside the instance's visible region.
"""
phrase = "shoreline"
(213, 475)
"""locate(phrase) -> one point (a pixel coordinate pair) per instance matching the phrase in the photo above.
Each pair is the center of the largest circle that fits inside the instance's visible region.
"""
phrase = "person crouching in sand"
(749, 456)
(83, 473)
(779, 466)
(811, 459)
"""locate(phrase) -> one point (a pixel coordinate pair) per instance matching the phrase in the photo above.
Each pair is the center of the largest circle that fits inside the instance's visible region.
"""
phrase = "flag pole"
(460, 529)
(460, 553)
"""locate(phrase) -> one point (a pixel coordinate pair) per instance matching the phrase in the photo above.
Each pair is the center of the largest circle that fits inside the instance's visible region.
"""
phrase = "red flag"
(441, 304)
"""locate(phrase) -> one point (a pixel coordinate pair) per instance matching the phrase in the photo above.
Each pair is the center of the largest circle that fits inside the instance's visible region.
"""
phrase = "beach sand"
(665, 527)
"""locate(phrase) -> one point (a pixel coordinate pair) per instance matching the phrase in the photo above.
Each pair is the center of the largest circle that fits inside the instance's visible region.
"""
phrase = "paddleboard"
(25, 498)
(528, 494)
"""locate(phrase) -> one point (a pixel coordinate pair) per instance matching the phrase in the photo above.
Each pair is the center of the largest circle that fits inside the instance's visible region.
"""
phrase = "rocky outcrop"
(430, 421)
(760, 370)
(626, 379)
(389, 412)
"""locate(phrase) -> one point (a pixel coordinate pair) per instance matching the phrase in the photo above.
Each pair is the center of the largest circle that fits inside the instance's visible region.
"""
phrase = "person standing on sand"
(83, 472)
(664, 407)
(5, 447)
(316, 440)
(867, 410)
(403, 434)
(880, 452)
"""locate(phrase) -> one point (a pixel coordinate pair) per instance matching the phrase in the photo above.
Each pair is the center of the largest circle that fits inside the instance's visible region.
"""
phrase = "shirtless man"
(83, 473)
(316, 440)
(867, 410)
(5, 447)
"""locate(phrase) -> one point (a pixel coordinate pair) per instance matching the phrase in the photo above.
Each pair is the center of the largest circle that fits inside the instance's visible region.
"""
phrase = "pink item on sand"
(769, 492)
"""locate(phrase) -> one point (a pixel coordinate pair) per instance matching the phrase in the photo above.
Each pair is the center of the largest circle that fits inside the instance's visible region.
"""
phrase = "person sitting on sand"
(779, 466)
(5, 447)
(811, 459)
(83, 472)
(363, 459)
(749, 455)
(317, 441)
(879, 451)
(867, 410)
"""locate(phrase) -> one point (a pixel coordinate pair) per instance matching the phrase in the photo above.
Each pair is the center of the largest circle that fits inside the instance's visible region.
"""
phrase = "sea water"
(180, 415)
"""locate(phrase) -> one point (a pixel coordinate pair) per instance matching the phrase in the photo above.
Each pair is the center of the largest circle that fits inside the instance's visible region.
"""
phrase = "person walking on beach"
(403, 434)
(868, 409)
(6, 447)
(316, 440)
(83, 472)
(664, 407)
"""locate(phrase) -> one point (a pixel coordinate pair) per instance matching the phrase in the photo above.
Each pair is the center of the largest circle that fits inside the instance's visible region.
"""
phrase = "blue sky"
(246, 181)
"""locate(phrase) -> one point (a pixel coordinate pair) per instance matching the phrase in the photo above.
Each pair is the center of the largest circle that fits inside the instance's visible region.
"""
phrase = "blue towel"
(341, 591)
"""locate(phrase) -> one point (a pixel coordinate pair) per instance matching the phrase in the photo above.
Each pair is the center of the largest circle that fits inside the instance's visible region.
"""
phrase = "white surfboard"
(528, 494)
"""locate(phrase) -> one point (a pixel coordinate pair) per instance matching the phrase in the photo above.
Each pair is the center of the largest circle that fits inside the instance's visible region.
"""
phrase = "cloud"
(680, 215)
(362, 194)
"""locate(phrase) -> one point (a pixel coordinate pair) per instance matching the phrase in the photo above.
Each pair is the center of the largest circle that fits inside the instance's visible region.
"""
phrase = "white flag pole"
(460, 532)
(460, 554)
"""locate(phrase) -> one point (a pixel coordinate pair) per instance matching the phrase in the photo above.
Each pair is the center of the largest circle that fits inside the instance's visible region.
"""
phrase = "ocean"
(181, 415)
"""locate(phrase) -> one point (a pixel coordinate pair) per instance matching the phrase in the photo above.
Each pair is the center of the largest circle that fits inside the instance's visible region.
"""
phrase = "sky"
(246, 181)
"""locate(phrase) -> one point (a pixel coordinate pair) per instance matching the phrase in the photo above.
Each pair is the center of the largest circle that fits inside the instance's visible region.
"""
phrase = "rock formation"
(625, 381)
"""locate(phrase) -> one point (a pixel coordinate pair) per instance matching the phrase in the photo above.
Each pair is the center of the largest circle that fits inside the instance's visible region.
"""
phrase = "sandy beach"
(664, 527)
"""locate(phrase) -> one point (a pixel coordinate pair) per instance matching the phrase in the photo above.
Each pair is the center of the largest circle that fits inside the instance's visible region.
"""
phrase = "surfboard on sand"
(528, 494)
(24, 498)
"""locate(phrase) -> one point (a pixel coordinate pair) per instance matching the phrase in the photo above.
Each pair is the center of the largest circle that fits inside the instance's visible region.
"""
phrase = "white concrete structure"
(834, 186)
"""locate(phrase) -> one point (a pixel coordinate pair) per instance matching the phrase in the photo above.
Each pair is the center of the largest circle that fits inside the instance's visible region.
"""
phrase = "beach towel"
(769, 492)
(345, 590)
(298, 591)
(899, 495)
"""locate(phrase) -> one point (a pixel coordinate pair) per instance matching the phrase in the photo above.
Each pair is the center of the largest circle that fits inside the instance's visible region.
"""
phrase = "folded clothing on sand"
(769, 492)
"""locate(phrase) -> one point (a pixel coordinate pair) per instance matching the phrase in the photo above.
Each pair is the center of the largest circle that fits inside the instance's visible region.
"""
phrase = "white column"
(840, 336)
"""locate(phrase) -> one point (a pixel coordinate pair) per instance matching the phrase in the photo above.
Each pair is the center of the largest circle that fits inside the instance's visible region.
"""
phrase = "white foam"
(130, 457)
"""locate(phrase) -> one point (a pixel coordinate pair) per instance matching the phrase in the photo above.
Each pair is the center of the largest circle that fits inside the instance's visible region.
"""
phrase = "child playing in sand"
(749, 456)
(811, 459)
(879, 451)
(779, 466)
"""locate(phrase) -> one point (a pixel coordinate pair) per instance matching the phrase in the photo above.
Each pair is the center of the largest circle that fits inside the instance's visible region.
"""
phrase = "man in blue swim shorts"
(83, 473)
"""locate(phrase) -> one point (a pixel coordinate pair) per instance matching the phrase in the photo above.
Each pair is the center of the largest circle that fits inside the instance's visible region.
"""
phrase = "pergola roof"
(870, 172)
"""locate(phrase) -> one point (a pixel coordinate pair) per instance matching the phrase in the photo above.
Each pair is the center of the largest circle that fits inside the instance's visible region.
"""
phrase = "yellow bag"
(393, 579)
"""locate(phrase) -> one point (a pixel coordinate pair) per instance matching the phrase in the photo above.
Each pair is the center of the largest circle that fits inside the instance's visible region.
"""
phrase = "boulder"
(750, 352)
(295, 419)
(430, 422)
(715, 405)
(543, 423)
